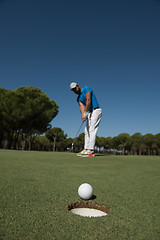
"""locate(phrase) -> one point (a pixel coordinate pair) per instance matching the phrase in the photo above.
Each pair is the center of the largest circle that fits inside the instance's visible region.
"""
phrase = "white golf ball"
(85, 191)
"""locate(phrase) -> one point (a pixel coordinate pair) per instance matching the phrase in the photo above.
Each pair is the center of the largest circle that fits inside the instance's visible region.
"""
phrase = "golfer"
(91, 113)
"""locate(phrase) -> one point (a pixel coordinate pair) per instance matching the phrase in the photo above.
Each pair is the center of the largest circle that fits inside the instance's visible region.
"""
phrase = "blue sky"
(112, 46)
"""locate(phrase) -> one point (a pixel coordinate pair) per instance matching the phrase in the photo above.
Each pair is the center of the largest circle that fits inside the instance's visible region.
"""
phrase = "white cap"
(73, 85)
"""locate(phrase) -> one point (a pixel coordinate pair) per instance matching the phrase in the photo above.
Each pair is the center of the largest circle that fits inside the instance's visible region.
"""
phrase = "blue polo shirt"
(82, 98)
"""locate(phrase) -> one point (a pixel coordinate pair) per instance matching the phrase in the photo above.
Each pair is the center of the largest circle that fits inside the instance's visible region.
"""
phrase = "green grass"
(35, 188)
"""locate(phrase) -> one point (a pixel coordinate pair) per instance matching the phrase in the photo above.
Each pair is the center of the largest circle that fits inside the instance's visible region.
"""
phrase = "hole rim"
(88, 204)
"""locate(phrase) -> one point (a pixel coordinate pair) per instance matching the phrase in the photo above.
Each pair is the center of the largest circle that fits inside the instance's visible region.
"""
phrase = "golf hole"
(88, 209)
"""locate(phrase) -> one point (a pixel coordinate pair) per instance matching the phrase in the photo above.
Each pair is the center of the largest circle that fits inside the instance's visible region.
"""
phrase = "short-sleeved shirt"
(82, 98)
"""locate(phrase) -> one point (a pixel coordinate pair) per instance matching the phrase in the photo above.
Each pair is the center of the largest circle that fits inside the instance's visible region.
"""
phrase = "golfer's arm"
(82, 108)
(88, 101)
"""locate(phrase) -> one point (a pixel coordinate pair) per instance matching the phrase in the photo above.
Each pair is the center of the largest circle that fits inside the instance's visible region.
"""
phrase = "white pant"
(91, 128)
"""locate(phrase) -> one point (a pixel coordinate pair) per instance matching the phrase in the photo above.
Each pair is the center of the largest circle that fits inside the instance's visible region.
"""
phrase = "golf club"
(76, 135)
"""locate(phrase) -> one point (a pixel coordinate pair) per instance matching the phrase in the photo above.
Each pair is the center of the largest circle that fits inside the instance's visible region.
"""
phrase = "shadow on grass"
(100, 155)
(93, 197)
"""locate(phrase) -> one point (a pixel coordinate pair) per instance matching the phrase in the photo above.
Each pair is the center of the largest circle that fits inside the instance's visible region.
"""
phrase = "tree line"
(136, 144)
(24, 112)
(25, 117)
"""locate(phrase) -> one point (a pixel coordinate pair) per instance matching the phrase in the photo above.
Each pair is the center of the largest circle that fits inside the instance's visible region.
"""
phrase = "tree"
(10, 112)
(69, 142)
(157, 139)
(55, 135)
(26, 110)
(149, 140)
(38, 110)
(108, 143)
(100, 142)
(2, 121)
(136, 143)
(123, 141)
(41, 143)
(79, 142)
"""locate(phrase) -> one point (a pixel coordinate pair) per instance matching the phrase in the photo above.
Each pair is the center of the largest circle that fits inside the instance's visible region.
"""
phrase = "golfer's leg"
(87, 136)
(94, 123)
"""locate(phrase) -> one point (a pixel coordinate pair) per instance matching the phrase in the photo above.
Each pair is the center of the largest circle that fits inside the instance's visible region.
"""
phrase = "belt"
(94, 109)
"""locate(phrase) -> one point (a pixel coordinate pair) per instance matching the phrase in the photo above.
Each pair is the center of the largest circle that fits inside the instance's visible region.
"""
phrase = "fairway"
(35, 188)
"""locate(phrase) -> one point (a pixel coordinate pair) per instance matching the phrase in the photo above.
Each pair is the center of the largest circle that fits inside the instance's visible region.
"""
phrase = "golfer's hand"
(84, 116)
(84, 119)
